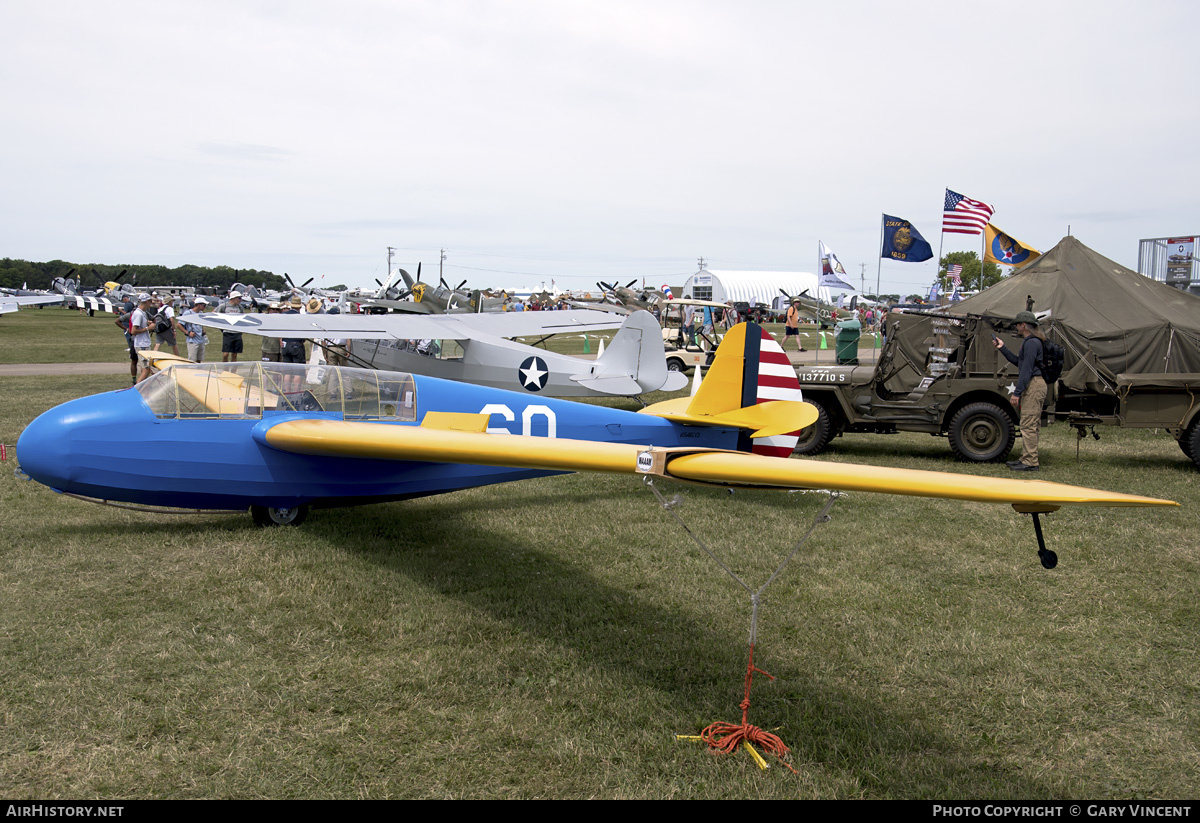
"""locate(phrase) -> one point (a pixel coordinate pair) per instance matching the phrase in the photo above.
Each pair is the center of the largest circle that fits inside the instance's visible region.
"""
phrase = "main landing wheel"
(267, 516)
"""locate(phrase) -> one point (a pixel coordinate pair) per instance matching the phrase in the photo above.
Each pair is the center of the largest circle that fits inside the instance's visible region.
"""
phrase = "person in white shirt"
(197, 340)
(140, 324)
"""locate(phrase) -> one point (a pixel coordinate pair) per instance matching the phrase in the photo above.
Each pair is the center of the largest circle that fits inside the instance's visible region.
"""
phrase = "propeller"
(460, 285)
(629, 285)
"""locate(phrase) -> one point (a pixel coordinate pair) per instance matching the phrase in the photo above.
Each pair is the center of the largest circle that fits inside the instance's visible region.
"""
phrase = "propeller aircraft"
(427, 299)
(818, 312)
(624, 299)
(279, 439)
(475, 348)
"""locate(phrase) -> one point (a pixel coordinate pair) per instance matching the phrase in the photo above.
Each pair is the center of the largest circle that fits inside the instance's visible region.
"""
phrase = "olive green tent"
(1110, 319)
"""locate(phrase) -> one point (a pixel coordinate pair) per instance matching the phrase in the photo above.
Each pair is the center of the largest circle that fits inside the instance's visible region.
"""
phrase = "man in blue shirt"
(1030, 393)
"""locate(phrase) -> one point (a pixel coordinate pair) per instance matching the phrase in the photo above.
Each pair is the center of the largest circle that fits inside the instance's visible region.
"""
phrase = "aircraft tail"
(749, 370)
(634, 363)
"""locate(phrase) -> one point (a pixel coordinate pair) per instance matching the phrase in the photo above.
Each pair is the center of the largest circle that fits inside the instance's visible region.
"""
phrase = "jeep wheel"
(1190, 442)
(266, 516)
(815, 438)
(981, 433)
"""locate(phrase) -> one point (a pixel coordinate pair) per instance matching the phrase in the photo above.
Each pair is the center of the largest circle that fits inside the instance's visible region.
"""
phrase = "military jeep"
(942, 374)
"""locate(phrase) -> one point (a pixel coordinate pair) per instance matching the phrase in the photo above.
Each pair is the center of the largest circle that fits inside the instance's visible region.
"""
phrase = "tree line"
(17, 274)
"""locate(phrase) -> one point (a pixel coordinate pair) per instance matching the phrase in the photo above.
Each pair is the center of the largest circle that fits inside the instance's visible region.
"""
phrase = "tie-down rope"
(725, 737)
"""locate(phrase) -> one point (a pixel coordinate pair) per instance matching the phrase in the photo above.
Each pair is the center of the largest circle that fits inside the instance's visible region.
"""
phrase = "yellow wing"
(451, 440)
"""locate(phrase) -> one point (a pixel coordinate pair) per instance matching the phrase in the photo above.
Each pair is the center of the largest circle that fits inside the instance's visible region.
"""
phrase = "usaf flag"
(902, 241)
(1006, 249)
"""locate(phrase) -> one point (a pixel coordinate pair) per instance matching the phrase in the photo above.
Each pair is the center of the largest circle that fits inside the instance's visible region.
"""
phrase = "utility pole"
(440, 262)
(388, 276)
(862, 279)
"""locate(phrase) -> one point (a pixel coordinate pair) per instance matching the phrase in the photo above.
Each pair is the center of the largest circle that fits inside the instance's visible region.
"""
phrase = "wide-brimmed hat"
(314, 305)
(295, 302)
(1026, 317)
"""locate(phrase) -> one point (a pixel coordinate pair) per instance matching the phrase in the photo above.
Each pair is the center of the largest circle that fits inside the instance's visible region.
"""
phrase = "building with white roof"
(757, 288)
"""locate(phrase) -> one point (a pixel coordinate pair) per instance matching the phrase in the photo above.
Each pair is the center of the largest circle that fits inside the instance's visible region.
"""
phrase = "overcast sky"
(574, 140)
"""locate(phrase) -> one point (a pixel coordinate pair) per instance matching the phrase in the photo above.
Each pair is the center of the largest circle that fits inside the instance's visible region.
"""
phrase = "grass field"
(550, 638)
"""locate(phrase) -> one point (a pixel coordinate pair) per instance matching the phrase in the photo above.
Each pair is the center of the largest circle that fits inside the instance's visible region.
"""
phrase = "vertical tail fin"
(749, 368)
(634, 362)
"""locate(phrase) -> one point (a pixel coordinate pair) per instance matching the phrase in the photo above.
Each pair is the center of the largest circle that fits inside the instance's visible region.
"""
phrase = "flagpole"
(820, 271)
(941, 237)
(982, 253)
(879, 260)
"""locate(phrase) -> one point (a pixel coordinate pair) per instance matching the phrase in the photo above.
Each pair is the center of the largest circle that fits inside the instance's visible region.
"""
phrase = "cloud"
(244, 151)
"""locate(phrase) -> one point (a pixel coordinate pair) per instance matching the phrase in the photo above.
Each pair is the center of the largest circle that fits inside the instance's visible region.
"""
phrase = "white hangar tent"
(760, 288)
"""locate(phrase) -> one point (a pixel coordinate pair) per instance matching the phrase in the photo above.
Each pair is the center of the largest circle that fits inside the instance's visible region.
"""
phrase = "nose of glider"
(54, 447)
(42, 449)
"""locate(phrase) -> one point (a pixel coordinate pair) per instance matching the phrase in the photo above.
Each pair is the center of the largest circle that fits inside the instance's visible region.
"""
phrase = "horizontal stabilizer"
(621, 384)
(768, 419)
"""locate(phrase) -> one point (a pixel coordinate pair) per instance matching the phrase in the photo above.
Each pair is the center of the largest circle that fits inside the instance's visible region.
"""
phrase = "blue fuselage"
(114, 447)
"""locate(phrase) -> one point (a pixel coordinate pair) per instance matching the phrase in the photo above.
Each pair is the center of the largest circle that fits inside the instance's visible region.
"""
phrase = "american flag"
(962, 215)
(955, 275)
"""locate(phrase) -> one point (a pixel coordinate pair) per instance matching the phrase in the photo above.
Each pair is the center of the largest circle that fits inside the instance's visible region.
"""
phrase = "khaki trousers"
(1031, 418)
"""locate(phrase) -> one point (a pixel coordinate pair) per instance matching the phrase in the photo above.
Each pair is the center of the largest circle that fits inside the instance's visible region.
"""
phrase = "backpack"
(1053, 357)
(162, 323)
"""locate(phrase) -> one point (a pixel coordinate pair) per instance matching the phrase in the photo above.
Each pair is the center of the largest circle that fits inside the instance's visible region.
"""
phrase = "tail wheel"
(815, 438)
(266, 516)
(982, 433)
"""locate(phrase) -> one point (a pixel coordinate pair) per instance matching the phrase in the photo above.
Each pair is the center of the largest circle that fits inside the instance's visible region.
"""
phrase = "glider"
(281, 438)
(633, 364)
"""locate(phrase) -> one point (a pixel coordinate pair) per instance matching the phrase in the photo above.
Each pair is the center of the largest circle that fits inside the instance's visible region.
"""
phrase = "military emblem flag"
(962, 215)
(1004, 249)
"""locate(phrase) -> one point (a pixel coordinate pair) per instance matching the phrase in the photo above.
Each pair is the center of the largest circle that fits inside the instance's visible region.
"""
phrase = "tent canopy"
(1101, 312)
